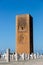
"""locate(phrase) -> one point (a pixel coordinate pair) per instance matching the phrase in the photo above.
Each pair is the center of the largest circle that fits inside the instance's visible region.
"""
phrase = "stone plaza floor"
(29, 62)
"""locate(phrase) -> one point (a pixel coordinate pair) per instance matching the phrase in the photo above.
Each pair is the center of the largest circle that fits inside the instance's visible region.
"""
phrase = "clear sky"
(8, 11)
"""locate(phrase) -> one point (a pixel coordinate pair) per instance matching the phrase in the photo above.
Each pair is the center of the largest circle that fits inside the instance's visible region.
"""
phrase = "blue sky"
(8, 11)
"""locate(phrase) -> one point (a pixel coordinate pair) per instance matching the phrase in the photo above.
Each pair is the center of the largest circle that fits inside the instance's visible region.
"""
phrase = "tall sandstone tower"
(24, 34)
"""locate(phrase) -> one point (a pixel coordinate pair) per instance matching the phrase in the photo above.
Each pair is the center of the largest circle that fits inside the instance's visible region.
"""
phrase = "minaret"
(24, 34)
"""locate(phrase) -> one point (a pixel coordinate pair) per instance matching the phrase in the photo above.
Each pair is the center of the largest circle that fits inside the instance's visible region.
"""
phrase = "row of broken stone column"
(21, 57)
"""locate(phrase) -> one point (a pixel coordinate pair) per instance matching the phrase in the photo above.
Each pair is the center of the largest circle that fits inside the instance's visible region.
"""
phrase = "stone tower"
(24, 34)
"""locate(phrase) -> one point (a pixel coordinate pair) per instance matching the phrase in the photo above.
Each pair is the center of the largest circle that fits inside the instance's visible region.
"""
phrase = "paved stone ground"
(29, 62)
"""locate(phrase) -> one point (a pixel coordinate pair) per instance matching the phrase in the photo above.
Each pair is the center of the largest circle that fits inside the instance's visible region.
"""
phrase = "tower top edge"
(23, 15)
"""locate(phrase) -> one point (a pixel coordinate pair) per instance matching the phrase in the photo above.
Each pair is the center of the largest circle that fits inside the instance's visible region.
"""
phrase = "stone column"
(8, 55)
(35, 56)
(13, 56)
